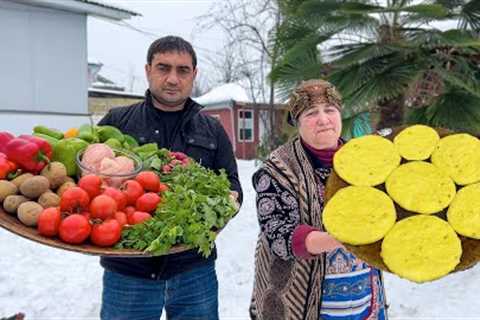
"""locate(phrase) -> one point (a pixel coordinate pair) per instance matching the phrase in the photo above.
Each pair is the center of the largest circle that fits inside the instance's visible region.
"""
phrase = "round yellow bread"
(420, 187)
(359, 215)
(421, 248)
(458, 155)
(366, 161)
(464, 212)
(416, 142)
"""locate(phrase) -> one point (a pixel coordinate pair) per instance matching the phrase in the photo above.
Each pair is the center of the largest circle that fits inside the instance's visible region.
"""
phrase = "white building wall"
(43, 59)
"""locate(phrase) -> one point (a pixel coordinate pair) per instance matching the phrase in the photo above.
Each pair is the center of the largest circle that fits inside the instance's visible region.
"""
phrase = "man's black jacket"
(199, 136)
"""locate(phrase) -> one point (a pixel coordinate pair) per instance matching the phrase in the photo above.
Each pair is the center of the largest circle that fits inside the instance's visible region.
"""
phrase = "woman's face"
(320, 126)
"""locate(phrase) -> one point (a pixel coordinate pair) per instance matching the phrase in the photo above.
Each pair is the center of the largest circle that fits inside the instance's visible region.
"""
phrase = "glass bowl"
(111, 180)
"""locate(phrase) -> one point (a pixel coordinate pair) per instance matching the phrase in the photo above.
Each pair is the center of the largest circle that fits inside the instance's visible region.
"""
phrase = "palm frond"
(348, 54)
(456, 110)
(469, 16)
(356, 126)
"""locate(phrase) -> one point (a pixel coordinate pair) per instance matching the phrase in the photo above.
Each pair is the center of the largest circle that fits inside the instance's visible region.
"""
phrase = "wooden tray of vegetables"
(97, 192)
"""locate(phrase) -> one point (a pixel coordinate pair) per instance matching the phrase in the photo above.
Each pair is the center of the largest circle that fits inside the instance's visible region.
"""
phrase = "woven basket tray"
(371, 253)
(12, 224)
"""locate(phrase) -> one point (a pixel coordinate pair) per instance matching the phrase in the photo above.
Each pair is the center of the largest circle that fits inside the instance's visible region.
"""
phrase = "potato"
(12, 202)
(56, 173)
(28, 213)
(6, 189)
(33, 187)
(64, 187)
(19, 180)
(49, 199)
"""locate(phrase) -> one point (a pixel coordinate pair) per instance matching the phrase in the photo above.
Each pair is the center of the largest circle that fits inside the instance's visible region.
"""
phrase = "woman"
(301, 272)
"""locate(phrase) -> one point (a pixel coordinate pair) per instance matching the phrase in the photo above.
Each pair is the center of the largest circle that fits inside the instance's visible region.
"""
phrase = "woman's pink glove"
(318, 242)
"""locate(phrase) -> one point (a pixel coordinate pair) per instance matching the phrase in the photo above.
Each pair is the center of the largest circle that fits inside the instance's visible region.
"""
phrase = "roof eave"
(83, 7)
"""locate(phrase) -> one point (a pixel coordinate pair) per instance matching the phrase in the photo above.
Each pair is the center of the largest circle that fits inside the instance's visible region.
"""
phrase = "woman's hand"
(318, 242)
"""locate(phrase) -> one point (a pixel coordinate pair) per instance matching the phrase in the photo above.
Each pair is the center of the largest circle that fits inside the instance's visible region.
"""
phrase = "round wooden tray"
(371, 253)
(12, 224)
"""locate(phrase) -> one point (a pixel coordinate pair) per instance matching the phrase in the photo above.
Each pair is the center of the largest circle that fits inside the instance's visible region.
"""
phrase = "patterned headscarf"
(310, 92)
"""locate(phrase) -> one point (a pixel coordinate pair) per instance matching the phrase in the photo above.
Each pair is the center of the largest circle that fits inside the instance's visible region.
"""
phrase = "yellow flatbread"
(458, 155)
(366, 161)
(464, 212)
(421, 187)
(421, 248)
(416, 142)
(359, 215)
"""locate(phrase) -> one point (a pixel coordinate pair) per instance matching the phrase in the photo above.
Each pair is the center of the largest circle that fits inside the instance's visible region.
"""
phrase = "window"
(245, 125)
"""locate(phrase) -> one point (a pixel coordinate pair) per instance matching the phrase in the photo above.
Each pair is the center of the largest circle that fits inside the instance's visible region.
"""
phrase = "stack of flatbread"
(409, 204)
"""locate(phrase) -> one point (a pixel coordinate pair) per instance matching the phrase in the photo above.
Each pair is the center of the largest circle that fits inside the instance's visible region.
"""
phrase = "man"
(185, 284)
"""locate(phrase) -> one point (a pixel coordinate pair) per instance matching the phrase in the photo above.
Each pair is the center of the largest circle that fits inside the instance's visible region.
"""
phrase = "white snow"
(47, 283)
(224, 93)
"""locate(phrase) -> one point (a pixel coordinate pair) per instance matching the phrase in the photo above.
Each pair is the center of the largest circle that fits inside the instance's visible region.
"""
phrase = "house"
(104, 94)
(243, 120)
(44, 59)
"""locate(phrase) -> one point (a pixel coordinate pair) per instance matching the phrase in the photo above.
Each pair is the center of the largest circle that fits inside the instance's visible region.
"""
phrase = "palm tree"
(416, 62)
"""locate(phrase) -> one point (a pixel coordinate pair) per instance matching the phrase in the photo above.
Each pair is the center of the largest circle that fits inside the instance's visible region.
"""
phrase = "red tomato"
(149, 180)
(49, 221)
(74, 229)
(133, 190)
(129, 210)
(74, 200)
(118, 196)
(162, 187)
(138, 217)
(92, 184)
(107, 233)
(121, 217)
(148, 202)
(103, 207)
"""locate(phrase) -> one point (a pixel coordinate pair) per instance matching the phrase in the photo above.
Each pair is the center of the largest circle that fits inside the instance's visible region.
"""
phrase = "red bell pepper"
(43, 144)
(4, 138)
(27, 154)
(6, 166)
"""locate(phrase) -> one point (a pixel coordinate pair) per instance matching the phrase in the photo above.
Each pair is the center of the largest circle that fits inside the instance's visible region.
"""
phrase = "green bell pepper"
(130, 142)
(66, 152)
(48, 132)
(108, 132)
(51, 140)
(87, 133)
(146, 151)
(114, 143)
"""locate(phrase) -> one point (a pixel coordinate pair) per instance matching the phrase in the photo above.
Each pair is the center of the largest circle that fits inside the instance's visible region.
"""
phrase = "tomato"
(149, 180)
(148, 202)
(49, 221)
(162, 187)
(74, 229)
(107, 233)
(121, 217)
(130, 209)
(92, 184)
(74, 200)
(133, 190)
(138, 217)
(118, 196)
(103, 207)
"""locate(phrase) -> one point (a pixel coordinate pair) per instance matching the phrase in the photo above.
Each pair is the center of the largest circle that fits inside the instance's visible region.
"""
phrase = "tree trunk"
(392, 113)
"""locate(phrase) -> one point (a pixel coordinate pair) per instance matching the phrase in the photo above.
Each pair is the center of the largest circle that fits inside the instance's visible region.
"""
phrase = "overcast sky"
(122, 50)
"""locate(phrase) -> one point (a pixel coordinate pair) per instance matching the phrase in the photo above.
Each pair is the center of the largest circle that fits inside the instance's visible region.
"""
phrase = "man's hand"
(234, 198)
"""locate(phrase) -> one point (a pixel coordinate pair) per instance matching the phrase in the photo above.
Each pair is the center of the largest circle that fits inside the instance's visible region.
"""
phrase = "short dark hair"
(169, 44)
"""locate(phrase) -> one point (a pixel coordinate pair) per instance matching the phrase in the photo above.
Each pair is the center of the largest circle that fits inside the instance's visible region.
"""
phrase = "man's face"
(170, 77)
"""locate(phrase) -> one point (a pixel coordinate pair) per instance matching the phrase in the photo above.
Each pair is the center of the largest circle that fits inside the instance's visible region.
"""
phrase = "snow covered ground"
(47, 283)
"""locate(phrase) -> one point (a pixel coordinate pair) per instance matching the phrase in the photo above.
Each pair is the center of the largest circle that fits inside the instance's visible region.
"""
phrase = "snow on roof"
(222, 94)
